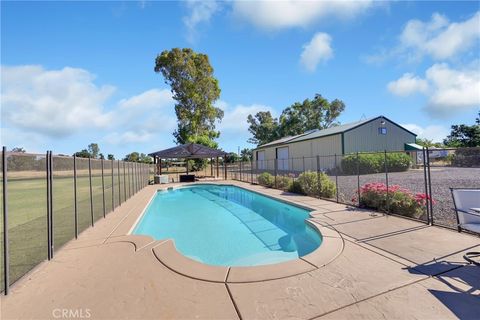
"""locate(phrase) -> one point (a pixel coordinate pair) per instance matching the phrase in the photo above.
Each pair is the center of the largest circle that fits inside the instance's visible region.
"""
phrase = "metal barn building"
(300, 152)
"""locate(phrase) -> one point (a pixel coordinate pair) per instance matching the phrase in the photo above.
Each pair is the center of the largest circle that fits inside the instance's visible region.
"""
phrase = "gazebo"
(188, 151)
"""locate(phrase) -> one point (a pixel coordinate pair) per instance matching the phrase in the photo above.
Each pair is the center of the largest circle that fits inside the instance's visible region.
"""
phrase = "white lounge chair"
(467, 206)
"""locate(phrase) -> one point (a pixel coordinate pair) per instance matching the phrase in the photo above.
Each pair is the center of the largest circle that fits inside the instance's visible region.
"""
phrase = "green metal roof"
(317, 133)
(331, 131)
(327, 132)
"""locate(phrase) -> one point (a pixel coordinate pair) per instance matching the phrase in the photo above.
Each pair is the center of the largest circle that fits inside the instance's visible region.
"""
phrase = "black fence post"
(386, 181)
(358, 179)
(129, 180)
(275, 168)
(119, 183)
(124, 181)
(52, 234)
(430, 197)
(425, 179)
(251, 171)
(336, 177)
(225, 168)
(318, 177)
(6, 264)
(240, 165)
(136, 176)
(134, 170)
(113, 185)
(75, 195)
(91, 189)
(103, 189)
(47, 176)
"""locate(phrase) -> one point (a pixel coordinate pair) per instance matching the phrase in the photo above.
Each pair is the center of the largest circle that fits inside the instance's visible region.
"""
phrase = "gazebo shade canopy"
(188, 151)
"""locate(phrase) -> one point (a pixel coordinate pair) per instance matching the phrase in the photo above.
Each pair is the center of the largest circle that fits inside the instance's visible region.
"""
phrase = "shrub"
(375, 163)
(314, 184)
(295, 187)
(266, 179)
(400, 200)
(283, 183)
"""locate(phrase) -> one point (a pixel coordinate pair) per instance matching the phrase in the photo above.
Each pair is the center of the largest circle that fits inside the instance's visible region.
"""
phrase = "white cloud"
(55, 104)
(439, 38)
(407, 85)
(272, 15)
(234, 126)
(317, 50)
(454, 90)
(449, 91)
(199, 12)
(52, 102)
(434, 132)
(128, 137)
(235, 119)
(143, 117)
(153, 98)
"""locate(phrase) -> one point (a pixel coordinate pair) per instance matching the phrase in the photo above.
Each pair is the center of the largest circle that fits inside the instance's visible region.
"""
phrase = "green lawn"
(27, 209)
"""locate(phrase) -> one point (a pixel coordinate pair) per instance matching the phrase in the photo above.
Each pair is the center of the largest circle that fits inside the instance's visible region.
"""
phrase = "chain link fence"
(47, 200)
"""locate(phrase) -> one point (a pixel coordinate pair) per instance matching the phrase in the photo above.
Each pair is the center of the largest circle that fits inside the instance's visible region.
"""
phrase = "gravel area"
(443, 178)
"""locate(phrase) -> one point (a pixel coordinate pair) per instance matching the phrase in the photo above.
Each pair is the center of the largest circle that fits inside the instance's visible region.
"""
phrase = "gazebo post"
(186, 164)
(225, 167)
(160, 166)
(218, 172)
(211, 167)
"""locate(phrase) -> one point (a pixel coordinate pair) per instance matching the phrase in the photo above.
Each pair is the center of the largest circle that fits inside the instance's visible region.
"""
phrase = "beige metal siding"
(303, 154)
(366, 138)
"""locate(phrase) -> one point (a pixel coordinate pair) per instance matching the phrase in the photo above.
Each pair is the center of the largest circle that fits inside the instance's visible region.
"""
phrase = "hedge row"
(308, 183)
(367, 163)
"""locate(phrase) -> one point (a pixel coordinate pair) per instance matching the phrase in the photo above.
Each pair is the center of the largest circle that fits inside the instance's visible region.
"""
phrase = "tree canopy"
(194, 89)
(138, 157)
(263, 127)
(18, 149)
(246, 154)
(92, 151)
(428, 143)
(318, 113)
(464, 135)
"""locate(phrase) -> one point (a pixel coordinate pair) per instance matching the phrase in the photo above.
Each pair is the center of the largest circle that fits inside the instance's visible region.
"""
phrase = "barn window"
(382, 130)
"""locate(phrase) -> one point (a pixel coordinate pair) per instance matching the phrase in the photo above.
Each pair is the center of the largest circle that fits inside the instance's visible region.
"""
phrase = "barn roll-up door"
(261, 163)
(282, 158)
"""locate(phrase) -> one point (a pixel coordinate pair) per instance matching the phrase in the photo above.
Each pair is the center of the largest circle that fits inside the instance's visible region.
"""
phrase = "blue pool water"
(229, 226)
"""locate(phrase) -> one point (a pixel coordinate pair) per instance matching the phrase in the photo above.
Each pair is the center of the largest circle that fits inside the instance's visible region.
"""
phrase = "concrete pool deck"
(389, 267)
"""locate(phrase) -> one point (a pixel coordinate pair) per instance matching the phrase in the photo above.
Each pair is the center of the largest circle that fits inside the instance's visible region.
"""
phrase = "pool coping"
(166, 253)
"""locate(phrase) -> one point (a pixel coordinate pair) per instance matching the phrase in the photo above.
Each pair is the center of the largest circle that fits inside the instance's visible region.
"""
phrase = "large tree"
(194, 89)
(94, 150)
(464, 135)
(246, 154)
(263, 127)
(318, 113)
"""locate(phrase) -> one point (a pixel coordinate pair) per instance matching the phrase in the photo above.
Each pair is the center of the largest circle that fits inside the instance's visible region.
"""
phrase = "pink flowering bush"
(397, 200)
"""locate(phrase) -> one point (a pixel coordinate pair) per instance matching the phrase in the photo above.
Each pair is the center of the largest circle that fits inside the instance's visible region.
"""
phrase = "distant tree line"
(461, 136)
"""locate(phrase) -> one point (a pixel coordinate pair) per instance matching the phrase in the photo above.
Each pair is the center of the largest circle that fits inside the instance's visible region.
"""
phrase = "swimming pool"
(229, 226)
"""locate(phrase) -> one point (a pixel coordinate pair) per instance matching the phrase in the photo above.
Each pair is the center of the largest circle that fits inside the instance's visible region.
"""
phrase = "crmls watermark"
(64, 313)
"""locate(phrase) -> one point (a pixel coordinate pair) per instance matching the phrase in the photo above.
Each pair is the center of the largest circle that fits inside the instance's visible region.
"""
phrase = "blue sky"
(81, 72)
